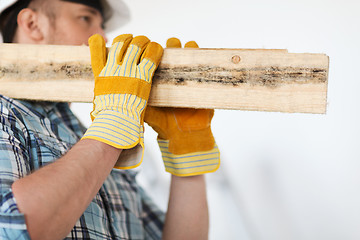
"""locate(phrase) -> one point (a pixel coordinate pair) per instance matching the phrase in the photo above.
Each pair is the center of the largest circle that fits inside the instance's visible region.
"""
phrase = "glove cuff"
(115, 129)
(190, 164)
(131, 158)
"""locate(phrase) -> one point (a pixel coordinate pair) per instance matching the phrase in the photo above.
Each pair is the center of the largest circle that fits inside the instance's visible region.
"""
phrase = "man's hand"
(186, 142)
(122, 89)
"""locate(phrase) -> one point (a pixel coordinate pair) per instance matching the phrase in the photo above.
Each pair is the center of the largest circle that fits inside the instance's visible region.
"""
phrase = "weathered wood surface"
(244, 79)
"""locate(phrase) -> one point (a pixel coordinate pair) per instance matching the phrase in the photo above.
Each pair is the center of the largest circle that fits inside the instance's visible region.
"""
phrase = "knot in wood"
(236, 59)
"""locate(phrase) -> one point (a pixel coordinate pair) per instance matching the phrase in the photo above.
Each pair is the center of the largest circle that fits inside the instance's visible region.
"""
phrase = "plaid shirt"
(35, 134)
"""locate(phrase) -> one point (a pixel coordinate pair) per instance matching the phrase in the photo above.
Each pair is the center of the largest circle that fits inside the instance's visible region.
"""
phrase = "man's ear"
(28, 22)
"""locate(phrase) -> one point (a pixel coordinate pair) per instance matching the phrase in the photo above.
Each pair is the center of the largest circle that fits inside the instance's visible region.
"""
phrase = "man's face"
(73, 24)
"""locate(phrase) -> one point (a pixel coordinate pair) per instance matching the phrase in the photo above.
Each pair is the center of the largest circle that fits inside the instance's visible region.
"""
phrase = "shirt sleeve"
(153, 218)
(13, 165)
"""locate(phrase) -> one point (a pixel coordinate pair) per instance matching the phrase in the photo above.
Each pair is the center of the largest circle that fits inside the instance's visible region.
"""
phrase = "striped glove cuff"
(115, 129)
(189, 164)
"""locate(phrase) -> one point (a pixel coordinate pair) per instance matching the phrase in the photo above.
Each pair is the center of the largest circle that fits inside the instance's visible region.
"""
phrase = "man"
(54, 184)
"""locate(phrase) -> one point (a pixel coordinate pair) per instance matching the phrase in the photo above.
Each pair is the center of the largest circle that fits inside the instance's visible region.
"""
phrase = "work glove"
(122, 88)
(185, 139)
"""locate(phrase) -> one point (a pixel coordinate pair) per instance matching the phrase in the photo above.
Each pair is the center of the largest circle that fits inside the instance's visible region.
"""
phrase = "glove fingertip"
(140, 41)
(95, 39)
(191, 44)
(123, 38)
(97, 53)
(153, 52)
(173, 43)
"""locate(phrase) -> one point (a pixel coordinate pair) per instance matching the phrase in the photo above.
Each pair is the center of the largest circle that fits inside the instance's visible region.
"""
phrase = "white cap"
(4, 4)
(116, 13)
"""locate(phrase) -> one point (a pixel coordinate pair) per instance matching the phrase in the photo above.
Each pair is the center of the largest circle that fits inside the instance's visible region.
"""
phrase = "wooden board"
(242, 79)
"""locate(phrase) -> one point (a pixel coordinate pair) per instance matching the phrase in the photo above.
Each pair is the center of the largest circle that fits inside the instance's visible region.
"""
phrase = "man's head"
(55, 21)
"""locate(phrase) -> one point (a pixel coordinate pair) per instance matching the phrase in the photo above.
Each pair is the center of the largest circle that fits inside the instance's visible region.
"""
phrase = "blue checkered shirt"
(34, 134)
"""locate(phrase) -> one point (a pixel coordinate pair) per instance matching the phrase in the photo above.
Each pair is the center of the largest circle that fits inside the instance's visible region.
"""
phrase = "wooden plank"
(243, 79)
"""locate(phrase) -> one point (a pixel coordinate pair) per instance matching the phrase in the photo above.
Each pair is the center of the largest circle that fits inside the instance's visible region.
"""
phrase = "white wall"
(283, 176)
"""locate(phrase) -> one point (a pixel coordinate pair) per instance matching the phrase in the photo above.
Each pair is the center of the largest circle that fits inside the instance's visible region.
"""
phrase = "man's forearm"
(187, 216)
(54, 197)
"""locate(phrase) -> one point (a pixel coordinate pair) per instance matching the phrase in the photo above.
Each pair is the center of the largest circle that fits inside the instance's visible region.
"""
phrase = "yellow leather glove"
(122, 89)
(184, 135)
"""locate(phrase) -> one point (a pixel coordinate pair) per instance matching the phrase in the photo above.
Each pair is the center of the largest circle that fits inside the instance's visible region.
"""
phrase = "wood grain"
(242, 79)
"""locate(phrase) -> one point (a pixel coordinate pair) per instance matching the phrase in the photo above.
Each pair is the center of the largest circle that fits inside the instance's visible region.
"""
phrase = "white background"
(283, 176)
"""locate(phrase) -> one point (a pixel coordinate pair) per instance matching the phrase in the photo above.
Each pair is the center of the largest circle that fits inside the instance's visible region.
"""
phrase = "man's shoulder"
(9, 104)
(28, 109)
(17, 108)
(6, 101)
